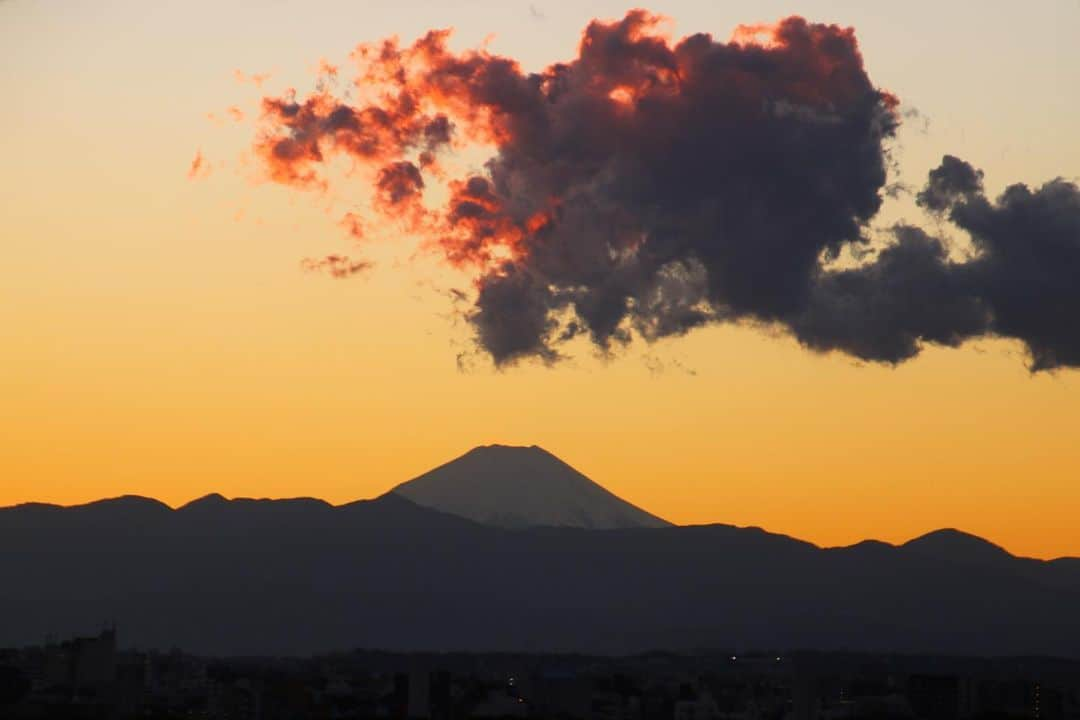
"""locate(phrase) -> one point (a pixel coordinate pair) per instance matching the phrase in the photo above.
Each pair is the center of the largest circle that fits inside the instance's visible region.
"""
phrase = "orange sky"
(160, 337)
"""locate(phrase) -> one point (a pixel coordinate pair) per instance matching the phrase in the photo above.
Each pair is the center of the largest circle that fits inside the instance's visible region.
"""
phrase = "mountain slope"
(300, 576)
(517, 487)
(956, 545)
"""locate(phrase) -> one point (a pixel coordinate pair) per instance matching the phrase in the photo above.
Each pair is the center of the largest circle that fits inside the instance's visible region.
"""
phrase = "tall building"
(83, 666)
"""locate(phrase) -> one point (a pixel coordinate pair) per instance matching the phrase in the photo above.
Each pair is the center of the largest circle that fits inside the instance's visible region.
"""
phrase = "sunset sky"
(160, 336)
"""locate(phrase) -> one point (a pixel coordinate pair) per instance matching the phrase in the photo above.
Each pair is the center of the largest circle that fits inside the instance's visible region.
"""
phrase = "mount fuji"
(520, 487)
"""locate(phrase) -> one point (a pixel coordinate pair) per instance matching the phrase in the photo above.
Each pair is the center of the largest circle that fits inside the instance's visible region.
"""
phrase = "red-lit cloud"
(199, 167)
(256, 79)
(644, 188)
(337, 266)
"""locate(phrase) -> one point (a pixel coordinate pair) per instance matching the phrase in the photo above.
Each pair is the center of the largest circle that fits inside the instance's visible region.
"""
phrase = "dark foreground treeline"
(90, 678)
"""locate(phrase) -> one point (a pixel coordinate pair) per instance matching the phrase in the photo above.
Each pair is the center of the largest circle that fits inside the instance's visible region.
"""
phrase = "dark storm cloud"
(649, 187)
(952, 180)
(1023, 281)
(512, 315)
(886, 310)
(1028, 268)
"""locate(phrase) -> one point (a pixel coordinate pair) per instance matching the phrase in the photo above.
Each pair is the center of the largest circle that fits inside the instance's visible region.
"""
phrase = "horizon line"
(219, 497)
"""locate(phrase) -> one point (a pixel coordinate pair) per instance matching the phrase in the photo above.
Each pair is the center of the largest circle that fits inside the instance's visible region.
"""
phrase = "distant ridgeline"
(507, 549)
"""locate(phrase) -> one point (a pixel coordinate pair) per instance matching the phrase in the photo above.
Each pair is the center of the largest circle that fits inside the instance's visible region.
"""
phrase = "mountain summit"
(250, 577)
(517, 487)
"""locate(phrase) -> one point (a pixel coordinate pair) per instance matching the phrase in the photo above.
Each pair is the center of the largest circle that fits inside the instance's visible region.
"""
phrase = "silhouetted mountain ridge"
(957, 545)
(945, 543)
(259, 576)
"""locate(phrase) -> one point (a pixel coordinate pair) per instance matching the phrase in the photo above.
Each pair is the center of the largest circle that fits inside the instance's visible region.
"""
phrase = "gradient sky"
(159, 336)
